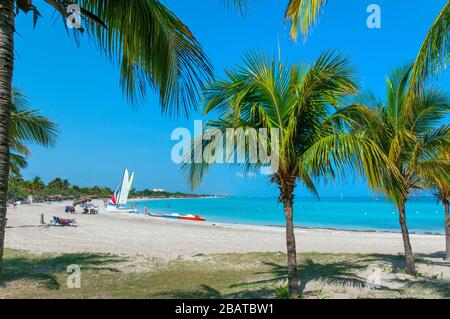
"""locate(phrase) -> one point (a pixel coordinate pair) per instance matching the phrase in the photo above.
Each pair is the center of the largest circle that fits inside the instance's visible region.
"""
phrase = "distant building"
(158, 190)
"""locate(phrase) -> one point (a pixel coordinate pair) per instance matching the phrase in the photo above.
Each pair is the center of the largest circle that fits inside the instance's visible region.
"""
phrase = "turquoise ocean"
(423, 215)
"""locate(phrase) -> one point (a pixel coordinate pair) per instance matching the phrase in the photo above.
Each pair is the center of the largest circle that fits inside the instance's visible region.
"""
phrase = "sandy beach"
(132, 234)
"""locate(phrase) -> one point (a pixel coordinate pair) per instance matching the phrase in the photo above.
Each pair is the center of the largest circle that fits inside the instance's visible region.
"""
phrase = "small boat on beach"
(190, 217)
(120, 196)
(195, 218)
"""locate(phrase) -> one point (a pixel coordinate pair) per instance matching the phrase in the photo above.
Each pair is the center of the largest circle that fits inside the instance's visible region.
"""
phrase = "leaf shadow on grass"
(437, 258)
(398, 264)
(208, 292)
(203, 292)
(44, 269)
(337, 273)
(441, 287)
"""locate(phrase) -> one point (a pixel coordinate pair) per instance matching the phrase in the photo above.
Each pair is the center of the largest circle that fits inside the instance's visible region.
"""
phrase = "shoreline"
(432, 233)
(138, 234)
(296, 227)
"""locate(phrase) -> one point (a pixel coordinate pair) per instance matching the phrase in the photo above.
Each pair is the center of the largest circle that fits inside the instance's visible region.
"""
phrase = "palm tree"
(443, 196)
(27, 126)
(37, 184)
(407, 130)
(150, 44)
(57, 184)
(301, 102)
(440, 184)
(433, 55)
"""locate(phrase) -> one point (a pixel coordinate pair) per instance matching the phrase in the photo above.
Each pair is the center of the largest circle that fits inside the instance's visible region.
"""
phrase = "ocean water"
(423, 215)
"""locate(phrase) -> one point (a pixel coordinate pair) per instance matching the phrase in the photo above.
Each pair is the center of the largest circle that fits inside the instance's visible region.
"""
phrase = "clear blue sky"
(100, 134)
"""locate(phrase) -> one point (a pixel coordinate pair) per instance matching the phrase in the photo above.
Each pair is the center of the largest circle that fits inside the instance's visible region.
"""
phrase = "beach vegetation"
(282, 292)
(323, 275)
(151, 46)
(443, 195)
(303, 102)
(433, 55)
(59, 189)
(28, 126)
(409, 130)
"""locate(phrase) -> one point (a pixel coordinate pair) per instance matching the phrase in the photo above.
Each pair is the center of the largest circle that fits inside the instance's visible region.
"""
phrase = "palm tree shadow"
(44, 270)
(204, 292)
(441, 287)
(339, 273)
(436, 258)
(398, 264)
(208, 292)
(28, 226)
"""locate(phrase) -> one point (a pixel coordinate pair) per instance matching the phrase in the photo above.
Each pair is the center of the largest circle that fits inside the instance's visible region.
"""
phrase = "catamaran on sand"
(120, 196)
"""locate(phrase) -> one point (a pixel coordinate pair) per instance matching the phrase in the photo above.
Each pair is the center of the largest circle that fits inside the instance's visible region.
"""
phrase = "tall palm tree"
(301, 102)
(408, 130)
(150, 44)
(434, 52)
(443, 195)
(440, 184)
(27, 126)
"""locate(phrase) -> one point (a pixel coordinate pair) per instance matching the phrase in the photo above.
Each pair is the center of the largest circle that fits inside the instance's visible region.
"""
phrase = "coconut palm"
(443, 195)
(434, 52)
(440, 184)
(27, 126)
(150, 44)
(301, 102)
(408, 130)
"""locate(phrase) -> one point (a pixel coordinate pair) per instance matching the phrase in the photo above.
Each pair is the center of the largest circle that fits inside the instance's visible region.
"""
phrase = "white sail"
(123, 195)
(130, 182)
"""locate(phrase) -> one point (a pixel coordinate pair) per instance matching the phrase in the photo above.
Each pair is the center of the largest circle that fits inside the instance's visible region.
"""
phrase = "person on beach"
(145, 210)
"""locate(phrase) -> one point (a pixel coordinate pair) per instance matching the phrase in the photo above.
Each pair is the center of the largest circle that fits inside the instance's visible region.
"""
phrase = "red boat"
(195, 218)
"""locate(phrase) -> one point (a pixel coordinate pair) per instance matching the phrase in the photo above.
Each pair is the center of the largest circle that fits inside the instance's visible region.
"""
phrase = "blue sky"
(100, 133)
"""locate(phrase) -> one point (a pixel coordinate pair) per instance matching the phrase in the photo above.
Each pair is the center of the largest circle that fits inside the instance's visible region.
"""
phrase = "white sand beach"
(132, 234)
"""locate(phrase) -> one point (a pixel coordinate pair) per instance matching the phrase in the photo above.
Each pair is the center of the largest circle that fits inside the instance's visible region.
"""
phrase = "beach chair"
(69, 209)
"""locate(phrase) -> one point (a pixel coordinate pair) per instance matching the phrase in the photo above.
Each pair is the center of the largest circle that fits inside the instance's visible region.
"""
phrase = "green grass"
(254, 275)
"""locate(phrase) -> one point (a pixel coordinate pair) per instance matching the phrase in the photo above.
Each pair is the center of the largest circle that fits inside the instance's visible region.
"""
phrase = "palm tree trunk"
(410, 267)
(287, 197)
(447, 231)
(6, 71)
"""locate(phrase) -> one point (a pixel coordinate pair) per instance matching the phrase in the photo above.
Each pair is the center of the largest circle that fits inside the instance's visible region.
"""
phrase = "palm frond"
(266, 93)
(303, 15)
(153, 48)
(430, 106)
(16, 163)
(151, 45)
(28, 125)
(434, 52)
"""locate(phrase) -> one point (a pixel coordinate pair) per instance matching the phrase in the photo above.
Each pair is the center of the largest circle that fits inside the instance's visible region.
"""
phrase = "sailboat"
(120, 196)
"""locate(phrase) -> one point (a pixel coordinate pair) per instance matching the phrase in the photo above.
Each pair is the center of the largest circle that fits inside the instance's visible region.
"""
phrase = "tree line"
(58, 189)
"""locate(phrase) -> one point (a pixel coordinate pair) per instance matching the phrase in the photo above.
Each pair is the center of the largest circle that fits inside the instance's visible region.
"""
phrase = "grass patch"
(252, 275)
